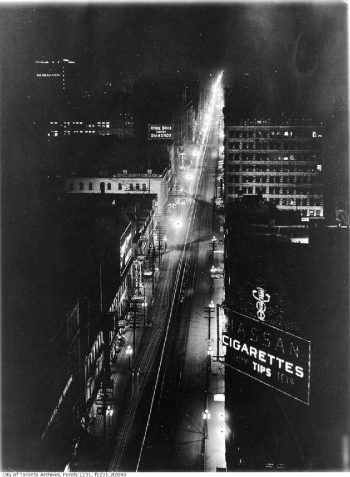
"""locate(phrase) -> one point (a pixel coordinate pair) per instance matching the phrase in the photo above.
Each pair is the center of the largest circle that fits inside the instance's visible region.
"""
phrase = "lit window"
(286, 133)
(314, 134)
(319, 167)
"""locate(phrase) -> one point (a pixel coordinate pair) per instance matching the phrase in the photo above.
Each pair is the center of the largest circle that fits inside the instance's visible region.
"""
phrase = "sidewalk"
(214, 458)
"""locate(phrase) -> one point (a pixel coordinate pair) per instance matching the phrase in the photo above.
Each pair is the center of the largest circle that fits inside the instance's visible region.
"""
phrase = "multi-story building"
(282, 160)
(302, 293)
(55, 73)
(122, 126)
(97, 321)
(124, 183)
(125, 170)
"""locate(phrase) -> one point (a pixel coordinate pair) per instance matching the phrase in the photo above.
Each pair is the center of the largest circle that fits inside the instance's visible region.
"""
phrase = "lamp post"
(213, 245)
(210, 354)
(144, 305)
(206, 416)
(129, 353)
(210, 309)
(109, 413)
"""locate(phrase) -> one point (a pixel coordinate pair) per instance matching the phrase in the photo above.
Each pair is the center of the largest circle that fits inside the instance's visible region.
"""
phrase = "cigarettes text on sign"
(267, 354)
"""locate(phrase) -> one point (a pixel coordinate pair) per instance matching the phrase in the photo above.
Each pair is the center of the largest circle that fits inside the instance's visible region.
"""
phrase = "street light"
(129, 353)
(206, 417)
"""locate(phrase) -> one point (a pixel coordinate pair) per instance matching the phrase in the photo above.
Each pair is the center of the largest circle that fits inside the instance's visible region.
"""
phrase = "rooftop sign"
(160, 131)
(269, 355)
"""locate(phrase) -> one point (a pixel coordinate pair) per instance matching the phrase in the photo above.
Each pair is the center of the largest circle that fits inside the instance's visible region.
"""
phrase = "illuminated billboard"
(160, 131)
(269, 355)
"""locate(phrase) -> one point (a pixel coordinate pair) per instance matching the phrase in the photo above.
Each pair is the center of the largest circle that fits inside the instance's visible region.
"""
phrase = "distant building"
(280, 160)
(125, 170)
(122, 127)
(55, 73)
(124, 183)
(167, 103)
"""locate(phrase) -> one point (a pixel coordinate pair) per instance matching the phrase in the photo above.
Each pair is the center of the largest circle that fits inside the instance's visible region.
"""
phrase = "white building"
(125, 183)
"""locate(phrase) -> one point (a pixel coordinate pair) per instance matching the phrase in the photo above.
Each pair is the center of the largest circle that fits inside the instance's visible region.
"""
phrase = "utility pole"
(159, 246)
(144, 305)
(134, 332)
(153, 266)
(207, 309)
(217, 330)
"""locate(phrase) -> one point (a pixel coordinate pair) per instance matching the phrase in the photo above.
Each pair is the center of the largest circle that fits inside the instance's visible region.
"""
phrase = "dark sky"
(299, 47)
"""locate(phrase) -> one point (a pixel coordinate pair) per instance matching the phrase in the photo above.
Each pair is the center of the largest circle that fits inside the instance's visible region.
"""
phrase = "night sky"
(294, 53)
(300, 48)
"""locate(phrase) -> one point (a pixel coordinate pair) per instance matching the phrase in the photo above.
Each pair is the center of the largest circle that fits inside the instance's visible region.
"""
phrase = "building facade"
(122, 127)
(55, 72)
(125, 183)
(282, 161)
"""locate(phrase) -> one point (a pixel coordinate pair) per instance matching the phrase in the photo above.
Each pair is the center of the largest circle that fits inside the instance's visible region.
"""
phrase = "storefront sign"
(269, 355)
(160, 131)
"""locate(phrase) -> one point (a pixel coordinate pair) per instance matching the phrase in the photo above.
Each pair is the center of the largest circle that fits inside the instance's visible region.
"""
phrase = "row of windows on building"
(48, 75)
(90, 186)
(101, 132)
(277, 190)
(106, 124)
(268, 134)
(273, 158)
(307, 200)
(275, 146)
(298, 171)
(284, 179)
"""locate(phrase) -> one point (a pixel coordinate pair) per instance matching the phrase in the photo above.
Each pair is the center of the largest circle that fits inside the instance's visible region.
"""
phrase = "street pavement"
(187, 387)
(179, 439)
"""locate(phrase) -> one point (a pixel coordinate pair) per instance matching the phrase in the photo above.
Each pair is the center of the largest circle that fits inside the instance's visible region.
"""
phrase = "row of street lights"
(211, 307)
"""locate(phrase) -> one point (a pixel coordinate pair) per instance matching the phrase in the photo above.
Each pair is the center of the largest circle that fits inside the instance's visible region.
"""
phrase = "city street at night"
(175, 237)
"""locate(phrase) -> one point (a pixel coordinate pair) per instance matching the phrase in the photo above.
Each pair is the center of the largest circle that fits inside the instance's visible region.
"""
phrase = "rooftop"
(87, 156)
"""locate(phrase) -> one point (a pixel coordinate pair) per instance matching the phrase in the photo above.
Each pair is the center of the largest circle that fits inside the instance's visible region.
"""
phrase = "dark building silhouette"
(308, 287)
